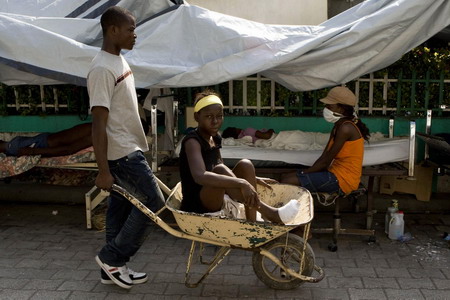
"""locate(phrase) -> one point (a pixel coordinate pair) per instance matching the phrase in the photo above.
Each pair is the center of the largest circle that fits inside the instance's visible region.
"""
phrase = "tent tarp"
(48, 42)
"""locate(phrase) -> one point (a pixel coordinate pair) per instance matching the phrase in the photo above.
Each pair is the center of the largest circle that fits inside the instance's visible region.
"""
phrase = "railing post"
(55, 98)
(16, 95)
(399, 91)
(258, 94)
(413, 92)
(427, 89)
(441, 93)
(315, 100)
(244, 95)
(299, 99)
(370, 109)
(230, 96)
(385, 91)
(272, 95)
(357, 95)
(42, 92)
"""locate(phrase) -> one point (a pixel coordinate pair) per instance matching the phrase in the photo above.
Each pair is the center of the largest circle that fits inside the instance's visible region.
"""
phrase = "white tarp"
(50, 41)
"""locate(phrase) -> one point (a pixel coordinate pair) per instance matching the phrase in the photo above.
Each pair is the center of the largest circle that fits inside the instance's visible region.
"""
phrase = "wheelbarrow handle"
(118, 189)
(160, 222)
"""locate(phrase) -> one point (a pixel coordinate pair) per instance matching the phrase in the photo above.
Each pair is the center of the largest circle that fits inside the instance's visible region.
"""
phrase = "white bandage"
(289, 211)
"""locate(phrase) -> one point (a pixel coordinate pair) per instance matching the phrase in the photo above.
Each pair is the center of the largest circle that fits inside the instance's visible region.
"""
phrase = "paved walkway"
(46, 253)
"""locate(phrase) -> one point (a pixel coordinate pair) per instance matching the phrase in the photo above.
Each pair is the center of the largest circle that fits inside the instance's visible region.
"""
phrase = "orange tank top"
(347, 165)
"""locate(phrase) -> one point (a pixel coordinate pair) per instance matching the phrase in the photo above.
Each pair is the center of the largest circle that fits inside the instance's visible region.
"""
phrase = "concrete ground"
(47, 253)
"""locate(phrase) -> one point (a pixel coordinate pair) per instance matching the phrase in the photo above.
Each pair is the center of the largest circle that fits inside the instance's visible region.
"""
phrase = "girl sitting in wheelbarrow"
(210, 186)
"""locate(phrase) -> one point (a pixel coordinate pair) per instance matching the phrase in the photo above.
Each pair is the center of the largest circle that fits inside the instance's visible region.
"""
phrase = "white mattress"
(375, 153)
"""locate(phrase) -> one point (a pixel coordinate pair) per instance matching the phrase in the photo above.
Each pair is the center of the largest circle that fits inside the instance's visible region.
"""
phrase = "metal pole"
(412, 147)
(154, 124)
(175, 125)
(391, 127)
(428, 131)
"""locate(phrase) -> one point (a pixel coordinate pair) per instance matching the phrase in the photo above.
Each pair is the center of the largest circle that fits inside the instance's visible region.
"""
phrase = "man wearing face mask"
(339, 167)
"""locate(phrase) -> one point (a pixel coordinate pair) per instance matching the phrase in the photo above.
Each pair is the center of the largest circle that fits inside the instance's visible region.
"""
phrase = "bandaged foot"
(289, 211)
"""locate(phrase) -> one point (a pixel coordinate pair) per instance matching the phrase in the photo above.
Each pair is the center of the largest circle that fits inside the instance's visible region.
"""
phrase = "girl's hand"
(266, 182)
(250, 195)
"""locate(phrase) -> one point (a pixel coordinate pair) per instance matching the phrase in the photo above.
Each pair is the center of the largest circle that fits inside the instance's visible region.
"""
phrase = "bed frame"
(438, 144)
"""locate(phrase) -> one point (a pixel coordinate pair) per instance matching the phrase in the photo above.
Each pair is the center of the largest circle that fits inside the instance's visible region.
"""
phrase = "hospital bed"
(84, 159)
(11, 166)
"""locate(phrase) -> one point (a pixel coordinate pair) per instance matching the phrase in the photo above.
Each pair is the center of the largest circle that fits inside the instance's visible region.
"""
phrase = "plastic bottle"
(389, 213)
(397, 226)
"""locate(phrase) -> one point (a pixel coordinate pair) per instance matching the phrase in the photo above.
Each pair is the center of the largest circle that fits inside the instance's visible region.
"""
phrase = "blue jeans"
(38, 141)
(126, 225)
(325, 181)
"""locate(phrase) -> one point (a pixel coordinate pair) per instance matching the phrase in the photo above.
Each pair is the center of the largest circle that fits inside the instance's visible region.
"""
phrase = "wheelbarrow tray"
(241, 233)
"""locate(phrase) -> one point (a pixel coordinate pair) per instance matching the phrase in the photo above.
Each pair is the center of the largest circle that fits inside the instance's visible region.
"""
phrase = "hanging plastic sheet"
(48, 42)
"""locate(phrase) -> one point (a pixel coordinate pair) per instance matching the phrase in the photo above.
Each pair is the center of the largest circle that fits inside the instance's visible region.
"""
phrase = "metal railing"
(383, 95)
(258, 95)
(41, 99)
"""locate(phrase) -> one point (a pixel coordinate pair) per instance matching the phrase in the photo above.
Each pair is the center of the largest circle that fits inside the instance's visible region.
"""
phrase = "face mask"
(331, 116)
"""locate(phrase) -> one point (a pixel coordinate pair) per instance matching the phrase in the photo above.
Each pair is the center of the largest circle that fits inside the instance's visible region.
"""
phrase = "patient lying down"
(210, 186)
(60, 143)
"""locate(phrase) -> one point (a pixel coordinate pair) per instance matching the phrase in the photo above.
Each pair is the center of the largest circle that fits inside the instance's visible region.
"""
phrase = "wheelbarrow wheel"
(290, 254)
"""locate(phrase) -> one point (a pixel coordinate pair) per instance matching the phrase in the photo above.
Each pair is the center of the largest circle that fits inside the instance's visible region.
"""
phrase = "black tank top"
(211, 157)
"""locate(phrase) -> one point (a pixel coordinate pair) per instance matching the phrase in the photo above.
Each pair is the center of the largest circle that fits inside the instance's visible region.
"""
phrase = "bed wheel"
(332, 247)
(290, 254)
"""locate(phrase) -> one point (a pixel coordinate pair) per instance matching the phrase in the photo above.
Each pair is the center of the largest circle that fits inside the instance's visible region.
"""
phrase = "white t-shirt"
(110, 84)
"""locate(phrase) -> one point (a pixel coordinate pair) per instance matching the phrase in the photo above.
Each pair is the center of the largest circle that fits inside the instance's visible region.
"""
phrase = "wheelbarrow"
(281, 260)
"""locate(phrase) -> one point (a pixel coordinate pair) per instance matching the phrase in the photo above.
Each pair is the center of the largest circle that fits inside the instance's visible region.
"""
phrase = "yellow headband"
(207, 101)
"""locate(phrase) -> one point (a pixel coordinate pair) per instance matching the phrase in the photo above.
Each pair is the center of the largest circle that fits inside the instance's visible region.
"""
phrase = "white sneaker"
(136, 277)
(119, 275)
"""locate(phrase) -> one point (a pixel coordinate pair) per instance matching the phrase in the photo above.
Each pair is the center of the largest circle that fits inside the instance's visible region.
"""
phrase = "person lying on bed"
(210, 186)
(60, 143)
(339, 167)
(238, 133)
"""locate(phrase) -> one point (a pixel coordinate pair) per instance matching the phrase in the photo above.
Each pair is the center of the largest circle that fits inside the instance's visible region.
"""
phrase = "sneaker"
(118, 275)
(136, 277)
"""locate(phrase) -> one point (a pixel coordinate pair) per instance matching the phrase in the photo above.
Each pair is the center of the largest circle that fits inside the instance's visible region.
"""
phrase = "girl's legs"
(245, 169)
(212, 198)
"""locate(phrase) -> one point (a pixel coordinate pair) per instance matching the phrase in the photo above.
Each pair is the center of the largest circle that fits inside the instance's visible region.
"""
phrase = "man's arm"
(104, 178)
